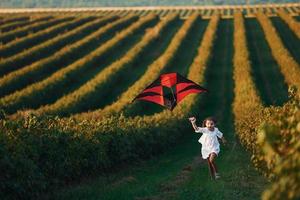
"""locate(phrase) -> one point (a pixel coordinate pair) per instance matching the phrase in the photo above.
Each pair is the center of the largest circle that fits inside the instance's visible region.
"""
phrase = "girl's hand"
(192, 119)
(224, 141)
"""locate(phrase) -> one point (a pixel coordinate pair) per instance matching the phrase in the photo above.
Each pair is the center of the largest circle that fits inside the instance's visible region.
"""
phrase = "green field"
(70, 131)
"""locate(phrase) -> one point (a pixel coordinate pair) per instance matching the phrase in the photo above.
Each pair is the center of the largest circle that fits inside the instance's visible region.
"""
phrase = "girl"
(210, 144)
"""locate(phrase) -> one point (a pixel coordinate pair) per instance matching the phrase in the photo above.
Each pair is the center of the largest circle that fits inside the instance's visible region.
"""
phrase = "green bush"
(279, 140)
(39, 154)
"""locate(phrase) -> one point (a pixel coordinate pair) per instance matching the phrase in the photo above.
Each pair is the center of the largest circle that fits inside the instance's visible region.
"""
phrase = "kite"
(169, 89)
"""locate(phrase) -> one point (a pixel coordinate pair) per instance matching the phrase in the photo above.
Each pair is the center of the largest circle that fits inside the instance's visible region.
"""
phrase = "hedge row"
(279, 139)
(64, 45)
(288, 66)
(13, 19)
(37, 93)
(247, 105)
(21, 32)
(290, 21)
(24, 43)
(20, 24)
(247, 102)
(198, 67)
(9, 26)
(270, 134)
(52, 45)
(12, 22)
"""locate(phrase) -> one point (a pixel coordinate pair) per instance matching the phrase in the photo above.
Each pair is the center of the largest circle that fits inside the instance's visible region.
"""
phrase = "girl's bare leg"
(211, 159)
(211, 169)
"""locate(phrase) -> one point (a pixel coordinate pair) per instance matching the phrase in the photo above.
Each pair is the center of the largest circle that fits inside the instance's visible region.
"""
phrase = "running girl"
(210, 144)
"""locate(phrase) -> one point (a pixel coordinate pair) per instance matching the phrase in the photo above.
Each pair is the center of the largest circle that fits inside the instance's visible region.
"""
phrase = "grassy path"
(268, 78)
(288, 37)
(180, 173)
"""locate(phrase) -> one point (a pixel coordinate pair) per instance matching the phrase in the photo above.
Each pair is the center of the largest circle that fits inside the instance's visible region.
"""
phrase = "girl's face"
(210, 125)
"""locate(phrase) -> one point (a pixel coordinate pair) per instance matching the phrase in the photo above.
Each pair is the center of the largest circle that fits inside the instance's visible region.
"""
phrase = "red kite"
(169, 89)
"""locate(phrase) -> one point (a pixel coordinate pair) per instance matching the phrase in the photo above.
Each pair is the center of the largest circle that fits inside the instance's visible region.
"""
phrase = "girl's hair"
(209, 119)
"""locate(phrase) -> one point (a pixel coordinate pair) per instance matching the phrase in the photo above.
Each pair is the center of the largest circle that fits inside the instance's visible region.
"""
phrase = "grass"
(239, 179)
(289, 38)
(266, 73)
(138, 180)
(175, 174)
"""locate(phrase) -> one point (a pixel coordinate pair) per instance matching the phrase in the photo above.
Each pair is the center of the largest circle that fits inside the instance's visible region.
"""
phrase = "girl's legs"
(211, 169)
(212, 166)
(211, 159)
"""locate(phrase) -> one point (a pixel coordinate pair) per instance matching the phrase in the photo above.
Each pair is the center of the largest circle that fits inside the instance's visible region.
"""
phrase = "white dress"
(209, 141)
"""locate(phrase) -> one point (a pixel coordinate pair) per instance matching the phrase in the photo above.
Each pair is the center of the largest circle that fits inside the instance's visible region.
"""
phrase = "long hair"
(209, 119)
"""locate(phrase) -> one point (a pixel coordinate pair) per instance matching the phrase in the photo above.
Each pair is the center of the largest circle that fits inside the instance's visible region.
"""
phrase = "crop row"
(184, 13)
(196, 74)
(9, 26)
(63, 45)
(291, 22)
(13, 19)
(82, 98)
(169, 61)
(153, 71)
(278, 140)
(23, 31)
(272, 91)
(20, 24)
(180, 63)
(43, 49)
(265, 143)
(35, 94)
(24, 43)
(288, 66)
(198, 67)
(247, 104)
(288, 37)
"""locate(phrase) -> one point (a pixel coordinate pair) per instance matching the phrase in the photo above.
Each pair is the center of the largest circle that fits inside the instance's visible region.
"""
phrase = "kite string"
(173, 97)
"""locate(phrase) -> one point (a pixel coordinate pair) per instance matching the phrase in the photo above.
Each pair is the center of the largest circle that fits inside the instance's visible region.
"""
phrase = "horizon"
(7, 4)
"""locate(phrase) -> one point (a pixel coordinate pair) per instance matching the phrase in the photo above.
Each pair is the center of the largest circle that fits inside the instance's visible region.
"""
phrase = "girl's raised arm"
(193, 121)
